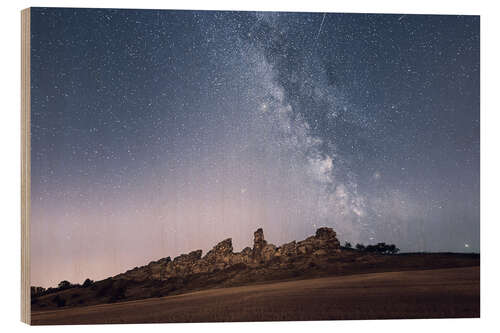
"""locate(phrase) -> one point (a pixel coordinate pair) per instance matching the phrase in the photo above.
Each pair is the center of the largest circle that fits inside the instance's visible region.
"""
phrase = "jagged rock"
(220, 253)
(245, 256)
(258, 240)
(293, 255)
(307, 245)
(169, 268)
(327, 239)
(247, 251)
(268, 252)
(320, 252)
(305, 248)
(259, 243)
(324, 242)
(289, 249)
(165, 260)
(262, 251)
(160, 261)
(222, 248)
(325, 233)
(188, 258)
(184, 263)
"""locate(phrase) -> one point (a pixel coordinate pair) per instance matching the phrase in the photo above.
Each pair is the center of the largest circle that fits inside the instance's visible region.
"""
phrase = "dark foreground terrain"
(432, 293)
(314, 278)
(316, 256)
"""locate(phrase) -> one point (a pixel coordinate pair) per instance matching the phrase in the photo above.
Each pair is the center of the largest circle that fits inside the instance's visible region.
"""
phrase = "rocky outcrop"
(221, 257)
(220, 253)
(258, 241)
(262, 252)
(287, 250)
(325, 242)
(216, 259)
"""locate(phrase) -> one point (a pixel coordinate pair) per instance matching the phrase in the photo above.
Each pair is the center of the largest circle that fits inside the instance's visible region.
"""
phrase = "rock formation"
(221, 257)
(316, 256)
(258, 241)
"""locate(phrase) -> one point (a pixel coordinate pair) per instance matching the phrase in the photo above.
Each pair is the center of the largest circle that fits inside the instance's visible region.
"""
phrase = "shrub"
(37, 291)
(360, 247)
(64, 285)
(381, 248)
(87, 283)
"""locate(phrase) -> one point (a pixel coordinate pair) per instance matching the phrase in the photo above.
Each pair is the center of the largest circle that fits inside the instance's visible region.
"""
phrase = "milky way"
(159, 132)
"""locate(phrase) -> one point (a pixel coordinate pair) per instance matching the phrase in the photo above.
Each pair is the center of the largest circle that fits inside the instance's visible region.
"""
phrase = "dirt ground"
(437, 293)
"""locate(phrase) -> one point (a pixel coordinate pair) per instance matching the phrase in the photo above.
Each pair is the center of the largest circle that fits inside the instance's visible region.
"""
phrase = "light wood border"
(25, 165)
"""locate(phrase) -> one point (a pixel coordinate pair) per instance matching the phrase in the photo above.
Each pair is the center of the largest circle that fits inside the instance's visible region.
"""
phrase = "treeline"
(109, 289)
(380, 248)
(63, 285)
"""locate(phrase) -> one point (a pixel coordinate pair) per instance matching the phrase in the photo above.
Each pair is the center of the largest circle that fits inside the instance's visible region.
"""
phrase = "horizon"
(205, 252)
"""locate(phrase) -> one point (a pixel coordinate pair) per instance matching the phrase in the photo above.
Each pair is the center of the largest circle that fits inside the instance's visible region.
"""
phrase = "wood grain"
(25, 165)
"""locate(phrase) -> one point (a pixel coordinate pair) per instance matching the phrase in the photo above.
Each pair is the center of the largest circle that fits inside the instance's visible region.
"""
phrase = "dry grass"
(442, 293)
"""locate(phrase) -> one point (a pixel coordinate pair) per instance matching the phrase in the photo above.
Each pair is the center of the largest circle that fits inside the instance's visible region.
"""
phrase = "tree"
(381, 248)
(392, 249)
(64, 284)
(360, 247)
(37, 291)
(348, 245)
(87, 283)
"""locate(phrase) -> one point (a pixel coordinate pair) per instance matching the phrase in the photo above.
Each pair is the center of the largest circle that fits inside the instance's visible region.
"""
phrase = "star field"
(158, 132)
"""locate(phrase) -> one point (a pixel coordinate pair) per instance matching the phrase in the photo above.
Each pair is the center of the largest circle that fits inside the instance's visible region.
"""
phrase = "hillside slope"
(316, 256)
(439, 293)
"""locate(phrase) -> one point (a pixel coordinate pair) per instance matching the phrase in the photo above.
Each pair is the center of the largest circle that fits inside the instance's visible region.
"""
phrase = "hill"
(316, 256)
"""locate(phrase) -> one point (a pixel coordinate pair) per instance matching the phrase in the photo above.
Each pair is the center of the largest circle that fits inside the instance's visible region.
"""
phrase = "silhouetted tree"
(51, 290)
(392, 249)
(87, 283)
(381, 248)
(360, 247)
(37, 291)
(64, 285)
(348, 245)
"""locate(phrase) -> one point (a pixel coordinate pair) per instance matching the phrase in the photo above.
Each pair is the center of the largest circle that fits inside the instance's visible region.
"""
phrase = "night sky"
(155, 133)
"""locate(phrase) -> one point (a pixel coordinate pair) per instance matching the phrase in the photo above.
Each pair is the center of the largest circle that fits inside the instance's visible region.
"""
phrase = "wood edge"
(25, 164)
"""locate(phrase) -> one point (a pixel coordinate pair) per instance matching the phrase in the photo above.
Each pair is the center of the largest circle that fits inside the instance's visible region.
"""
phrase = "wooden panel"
(25, 166)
